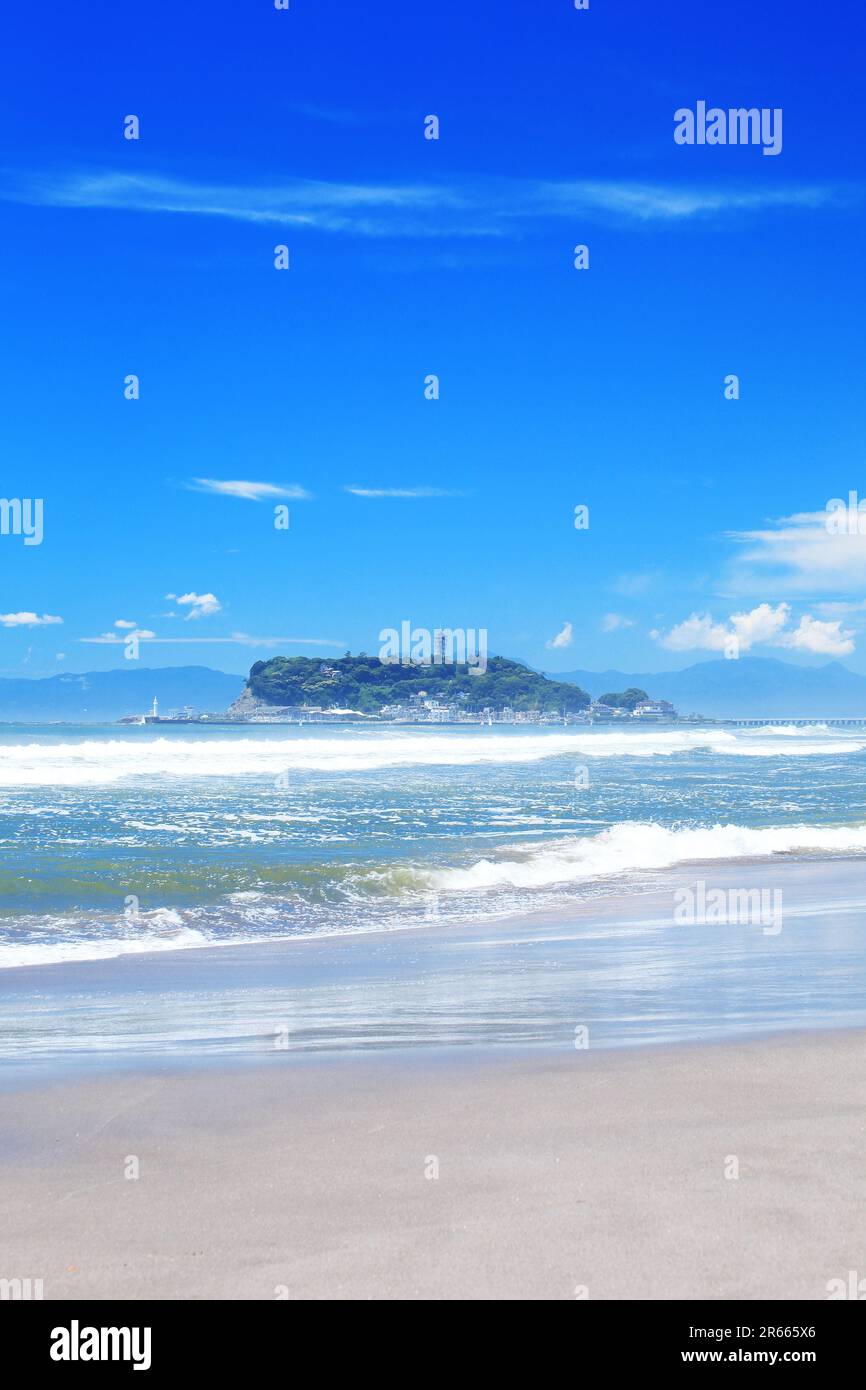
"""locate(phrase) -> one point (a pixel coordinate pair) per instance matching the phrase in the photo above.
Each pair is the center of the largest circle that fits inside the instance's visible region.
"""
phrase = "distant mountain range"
(753, 687)
(103, 696)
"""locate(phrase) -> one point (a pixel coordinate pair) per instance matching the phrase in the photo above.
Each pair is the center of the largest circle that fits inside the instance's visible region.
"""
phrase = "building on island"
(603, 714)
(654, 709)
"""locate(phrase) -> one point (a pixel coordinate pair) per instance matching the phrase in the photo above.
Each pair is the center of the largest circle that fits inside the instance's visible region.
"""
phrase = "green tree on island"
(365, 683)
(626, 699)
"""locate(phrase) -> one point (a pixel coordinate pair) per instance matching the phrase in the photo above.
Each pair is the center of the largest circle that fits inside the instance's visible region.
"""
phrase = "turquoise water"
(116, 840)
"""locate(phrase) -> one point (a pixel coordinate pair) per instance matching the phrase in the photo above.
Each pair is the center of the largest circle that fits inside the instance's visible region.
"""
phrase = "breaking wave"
(631, 847)
(95, 762)
(350, 899)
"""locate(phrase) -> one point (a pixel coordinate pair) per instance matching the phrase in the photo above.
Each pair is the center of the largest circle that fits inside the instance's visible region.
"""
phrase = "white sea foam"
(388, 896)
(83, 948)
(632, 847)
(786, 730)
(93, 762)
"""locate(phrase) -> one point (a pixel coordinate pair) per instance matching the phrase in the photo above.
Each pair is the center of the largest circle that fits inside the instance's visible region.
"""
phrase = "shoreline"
(679, 1172)
(591, 1102)
(622, 894)
(619, 966)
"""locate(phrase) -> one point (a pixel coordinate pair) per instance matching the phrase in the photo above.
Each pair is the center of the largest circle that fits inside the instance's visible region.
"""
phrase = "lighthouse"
(155, 711)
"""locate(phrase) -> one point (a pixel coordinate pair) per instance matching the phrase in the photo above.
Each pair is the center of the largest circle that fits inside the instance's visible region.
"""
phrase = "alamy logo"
(20, 1290)
(76, 1343)
(699, 906)
(443, 646)
(736, 126)
(853, 1288)
(846, 518)
(22, 516)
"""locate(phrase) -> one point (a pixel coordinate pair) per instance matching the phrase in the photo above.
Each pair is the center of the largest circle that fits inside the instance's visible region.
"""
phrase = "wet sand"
(620, 965)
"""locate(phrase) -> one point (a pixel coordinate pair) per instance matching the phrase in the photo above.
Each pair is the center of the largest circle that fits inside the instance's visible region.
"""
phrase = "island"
(312, 690)
(365, 687)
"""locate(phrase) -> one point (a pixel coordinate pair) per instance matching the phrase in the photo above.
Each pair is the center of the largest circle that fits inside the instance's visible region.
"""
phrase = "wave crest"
(95, 762)
(632, 846)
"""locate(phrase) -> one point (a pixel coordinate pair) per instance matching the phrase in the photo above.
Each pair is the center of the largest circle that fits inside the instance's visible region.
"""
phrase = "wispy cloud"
(841, 608)
(111, 639)
(28, 619)
(249, 491)
(658, 202)
(632, 585)
(477, 207)
(807, 553)
(242, 639)
(333, 115)
(403, 492)
(612, 622)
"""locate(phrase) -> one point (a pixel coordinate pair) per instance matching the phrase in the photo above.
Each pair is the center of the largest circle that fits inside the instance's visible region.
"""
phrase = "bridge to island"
(801, 722)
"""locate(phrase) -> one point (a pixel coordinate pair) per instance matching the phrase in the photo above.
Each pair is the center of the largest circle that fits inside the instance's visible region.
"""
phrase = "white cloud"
(28, 619)
(249, 491)
(124, 623)
(762, 626)
(813, 635)
(611, 622)
(563, 638)
(697, 633)
(402, 492)
(199, 605)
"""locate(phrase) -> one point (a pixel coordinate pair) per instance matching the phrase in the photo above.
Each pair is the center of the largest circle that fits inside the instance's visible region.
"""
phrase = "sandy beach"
(593, 1103)
(609, 1172)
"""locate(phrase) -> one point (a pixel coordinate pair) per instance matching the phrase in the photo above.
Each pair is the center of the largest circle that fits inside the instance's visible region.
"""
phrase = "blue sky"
(409, 256)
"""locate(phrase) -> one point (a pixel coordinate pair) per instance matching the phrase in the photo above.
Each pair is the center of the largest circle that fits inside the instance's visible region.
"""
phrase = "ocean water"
(116, 840)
